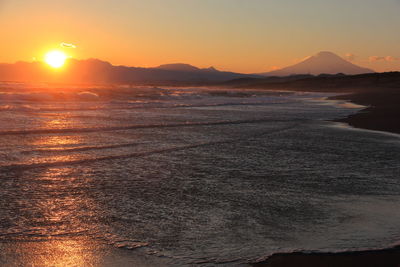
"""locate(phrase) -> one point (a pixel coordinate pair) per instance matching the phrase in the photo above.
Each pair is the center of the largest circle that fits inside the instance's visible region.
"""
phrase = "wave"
(138, 126)
(224, 104)
(96, 106)
(28, 234)
(78, 149)
(18, 167)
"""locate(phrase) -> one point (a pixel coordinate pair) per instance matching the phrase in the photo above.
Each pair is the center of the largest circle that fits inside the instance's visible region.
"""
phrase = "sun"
(55, 58)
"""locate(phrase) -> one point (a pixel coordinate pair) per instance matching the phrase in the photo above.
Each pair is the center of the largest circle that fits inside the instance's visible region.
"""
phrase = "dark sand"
(373, 258)
(382, 114)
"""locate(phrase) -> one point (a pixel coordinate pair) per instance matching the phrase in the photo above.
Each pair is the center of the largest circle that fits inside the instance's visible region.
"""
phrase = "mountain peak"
(178, 67)
(211, 69)
(324, 62)
(326, 54)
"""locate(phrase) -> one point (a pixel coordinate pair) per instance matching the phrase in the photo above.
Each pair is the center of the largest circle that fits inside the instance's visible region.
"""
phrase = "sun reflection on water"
(56, 214)
(54, 253)
(55, 142)
(58, 228)
(59, 224)
(58, 140)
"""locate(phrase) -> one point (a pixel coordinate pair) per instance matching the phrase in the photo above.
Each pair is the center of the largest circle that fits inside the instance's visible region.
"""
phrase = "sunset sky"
(237, 35)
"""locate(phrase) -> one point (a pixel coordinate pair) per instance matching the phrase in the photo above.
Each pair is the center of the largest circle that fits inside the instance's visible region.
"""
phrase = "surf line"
(20, 167)
(138, 126)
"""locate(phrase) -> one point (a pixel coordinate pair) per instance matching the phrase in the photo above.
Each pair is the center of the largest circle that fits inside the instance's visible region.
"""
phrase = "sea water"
(187, 176)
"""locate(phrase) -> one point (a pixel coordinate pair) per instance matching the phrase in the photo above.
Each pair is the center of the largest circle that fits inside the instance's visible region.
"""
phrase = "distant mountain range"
(321, 63)
(97, 71)
(185, 67)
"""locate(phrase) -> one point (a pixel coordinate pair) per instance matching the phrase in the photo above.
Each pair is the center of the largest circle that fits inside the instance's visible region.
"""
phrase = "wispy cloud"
(350, 57)
(87, 94)
(67, 45)
(386, 58)
(391, 58)
(274, 68)
(376, 58)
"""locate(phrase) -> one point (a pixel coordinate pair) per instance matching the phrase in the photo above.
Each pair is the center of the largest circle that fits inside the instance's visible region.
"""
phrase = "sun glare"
(55, 59)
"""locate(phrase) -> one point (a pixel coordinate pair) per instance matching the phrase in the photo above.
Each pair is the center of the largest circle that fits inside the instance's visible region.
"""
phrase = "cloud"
(88, 95)
(66, 45)
(274, 68)
(386, 58)
(391, 58)
(350, 57)
(376, 58)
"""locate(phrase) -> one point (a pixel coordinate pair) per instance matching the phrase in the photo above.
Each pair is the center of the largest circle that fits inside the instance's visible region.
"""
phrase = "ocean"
(123, 176)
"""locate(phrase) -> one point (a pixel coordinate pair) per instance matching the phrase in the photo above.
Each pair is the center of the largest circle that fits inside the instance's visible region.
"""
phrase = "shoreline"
(382, 111)
(389, 257)
(380, 92)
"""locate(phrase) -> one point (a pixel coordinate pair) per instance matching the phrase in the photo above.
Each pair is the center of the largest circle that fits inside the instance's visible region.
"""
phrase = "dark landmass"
(383, 113)
(380, 92)
(371, 258)
(338, 83)
(95, 71)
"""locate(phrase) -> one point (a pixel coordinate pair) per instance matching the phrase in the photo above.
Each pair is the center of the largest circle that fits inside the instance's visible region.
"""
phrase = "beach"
(382, 110)
(368, 258)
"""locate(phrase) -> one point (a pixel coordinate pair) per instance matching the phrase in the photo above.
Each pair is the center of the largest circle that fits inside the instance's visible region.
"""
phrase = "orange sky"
(243, 36)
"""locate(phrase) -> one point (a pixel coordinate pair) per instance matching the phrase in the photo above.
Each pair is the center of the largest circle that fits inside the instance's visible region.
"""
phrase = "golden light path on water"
(57, 253)
(64, 230)
(58, 197)
(57, 142)
(61, 241)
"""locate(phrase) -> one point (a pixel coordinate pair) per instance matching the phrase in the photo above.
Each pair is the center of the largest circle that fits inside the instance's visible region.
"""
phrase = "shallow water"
(100, 176)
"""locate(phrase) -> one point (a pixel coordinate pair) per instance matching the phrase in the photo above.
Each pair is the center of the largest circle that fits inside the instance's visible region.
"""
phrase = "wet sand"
(372, 258)
(382, 112)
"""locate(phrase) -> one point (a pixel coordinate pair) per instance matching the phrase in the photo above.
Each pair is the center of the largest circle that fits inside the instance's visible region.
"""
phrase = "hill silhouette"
(98, 71)
(321, 63)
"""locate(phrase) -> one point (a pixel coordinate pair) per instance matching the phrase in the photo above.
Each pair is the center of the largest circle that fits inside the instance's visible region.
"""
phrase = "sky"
(247, 36)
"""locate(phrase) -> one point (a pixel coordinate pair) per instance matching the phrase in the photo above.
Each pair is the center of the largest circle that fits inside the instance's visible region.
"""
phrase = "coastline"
(368, 258)
(380, 92)
(382, 112)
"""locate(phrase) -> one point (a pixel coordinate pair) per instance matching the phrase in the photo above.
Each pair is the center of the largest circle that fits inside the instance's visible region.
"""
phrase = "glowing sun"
(55, 59)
